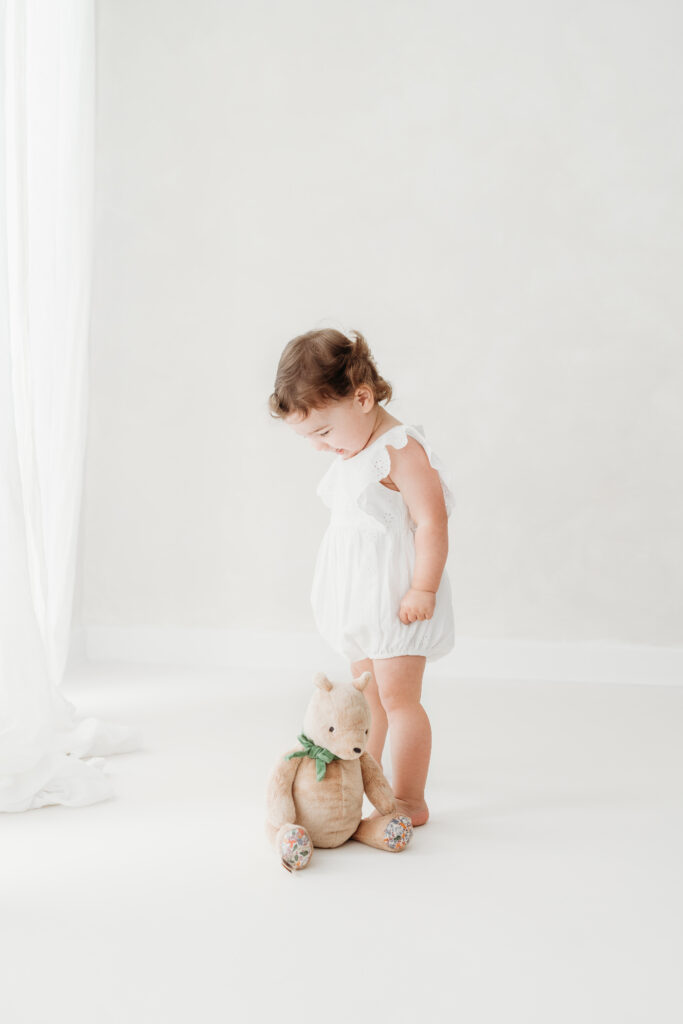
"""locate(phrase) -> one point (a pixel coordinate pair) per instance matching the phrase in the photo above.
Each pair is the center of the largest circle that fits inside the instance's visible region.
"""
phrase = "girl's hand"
(416, 605)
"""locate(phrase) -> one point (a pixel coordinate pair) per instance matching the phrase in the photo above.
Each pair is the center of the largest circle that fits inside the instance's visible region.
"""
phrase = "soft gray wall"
(491, 193)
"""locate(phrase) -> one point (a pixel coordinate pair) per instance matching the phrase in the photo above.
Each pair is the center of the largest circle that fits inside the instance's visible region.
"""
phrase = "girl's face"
(342, 427)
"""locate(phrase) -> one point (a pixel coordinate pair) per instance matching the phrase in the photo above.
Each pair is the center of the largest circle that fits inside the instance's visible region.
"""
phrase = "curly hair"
(321, 367)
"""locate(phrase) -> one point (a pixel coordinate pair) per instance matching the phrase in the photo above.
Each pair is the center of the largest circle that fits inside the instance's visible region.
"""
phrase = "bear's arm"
(279, 800)
(379, 791)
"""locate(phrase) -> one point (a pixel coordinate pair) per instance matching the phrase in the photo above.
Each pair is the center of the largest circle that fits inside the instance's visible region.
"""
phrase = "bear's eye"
(366, 732)
(331, 728)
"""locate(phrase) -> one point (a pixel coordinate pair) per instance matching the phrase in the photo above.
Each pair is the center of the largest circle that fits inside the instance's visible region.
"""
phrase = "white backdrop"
(491, 193)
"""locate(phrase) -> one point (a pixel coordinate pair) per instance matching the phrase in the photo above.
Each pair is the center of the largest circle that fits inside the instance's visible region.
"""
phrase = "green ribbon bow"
(321, 755)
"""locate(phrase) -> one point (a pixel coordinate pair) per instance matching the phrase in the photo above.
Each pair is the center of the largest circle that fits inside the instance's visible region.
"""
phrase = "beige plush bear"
(315, 794)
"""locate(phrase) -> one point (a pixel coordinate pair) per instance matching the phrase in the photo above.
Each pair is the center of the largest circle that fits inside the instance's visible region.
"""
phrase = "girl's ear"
(362, 680)
(365, 396)
(321, 681)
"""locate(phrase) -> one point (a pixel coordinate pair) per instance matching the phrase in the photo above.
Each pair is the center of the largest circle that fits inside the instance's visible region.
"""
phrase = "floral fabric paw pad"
(398, 833)
(296, 848)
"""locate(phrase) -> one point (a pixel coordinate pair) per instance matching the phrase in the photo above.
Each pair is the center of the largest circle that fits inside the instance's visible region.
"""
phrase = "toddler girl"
(380, 595)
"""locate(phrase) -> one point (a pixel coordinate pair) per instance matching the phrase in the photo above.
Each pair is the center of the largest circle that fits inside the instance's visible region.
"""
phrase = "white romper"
(366, 558)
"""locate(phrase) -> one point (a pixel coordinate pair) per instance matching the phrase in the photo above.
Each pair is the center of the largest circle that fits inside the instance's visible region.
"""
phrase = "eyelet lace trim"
(379, 463)
(377, 466)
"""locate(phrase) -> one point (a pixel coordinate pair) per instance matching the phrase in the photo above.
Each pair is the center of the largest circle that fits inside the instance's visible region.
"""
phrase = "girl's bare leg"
(399, 685)
(378, 727)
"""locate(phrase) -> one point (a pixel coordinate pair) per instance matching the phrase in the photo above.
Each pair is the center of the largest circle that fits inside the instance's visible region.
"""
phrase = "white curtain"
(48, 755)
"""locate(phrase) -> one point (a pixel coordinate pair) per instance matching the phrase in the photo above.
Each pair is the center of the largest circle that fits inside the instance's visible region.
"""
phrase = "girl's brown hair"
(324, 366)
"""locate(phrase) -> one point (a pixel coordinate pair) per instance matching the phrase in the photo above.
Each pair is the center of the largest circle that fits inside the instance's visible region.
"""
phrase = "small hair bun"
(324, 366)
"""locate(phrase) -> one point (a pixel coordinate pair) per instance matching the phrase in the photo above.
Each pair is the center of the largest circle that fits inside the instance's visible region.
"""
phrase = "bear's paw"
(398, 833)
(296, 848)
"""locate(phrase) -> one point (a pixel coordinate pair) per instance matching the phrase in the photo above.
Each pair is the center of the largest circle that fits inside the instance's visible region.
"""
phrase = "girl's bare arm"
(421, 489)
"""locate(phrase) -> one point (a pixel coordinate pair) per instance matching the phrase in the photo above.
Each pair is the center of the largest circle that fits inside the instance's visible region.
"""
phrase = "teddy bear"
(315, 792)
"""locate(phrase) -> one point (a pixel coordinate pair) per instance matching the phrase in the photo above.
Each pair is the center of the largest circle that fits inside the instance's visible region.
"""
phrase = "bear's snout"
(356, 750)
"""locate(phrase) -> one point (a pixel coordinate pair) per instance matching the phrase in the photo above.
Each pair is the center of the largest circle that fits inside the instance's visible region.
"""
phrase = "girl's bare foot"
(417, 811)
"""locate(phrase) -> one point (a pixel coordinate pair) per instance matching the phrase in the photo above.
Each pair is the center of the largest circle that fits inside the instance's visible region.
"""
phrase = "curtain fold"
(47, 754)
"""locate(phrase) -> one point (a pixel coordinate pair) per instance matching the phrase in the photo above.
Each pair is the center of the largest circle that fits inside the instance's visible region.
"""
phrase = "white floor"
(546, 888)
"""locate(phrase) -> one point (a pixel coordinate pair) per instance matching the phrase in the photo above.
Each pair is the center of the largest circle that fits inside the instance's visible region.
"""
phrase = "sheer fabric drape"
(48, 755)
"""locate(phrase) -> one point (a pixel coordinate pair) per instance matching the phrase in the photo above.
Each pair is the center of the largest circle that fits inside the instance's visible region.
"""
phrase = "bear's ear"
(321, 680)
(362, 680)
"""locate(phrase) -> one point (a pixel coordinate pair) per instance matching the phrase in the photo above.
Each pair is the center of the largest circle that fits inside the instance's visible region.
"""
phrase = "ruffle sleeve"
(374, 500)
